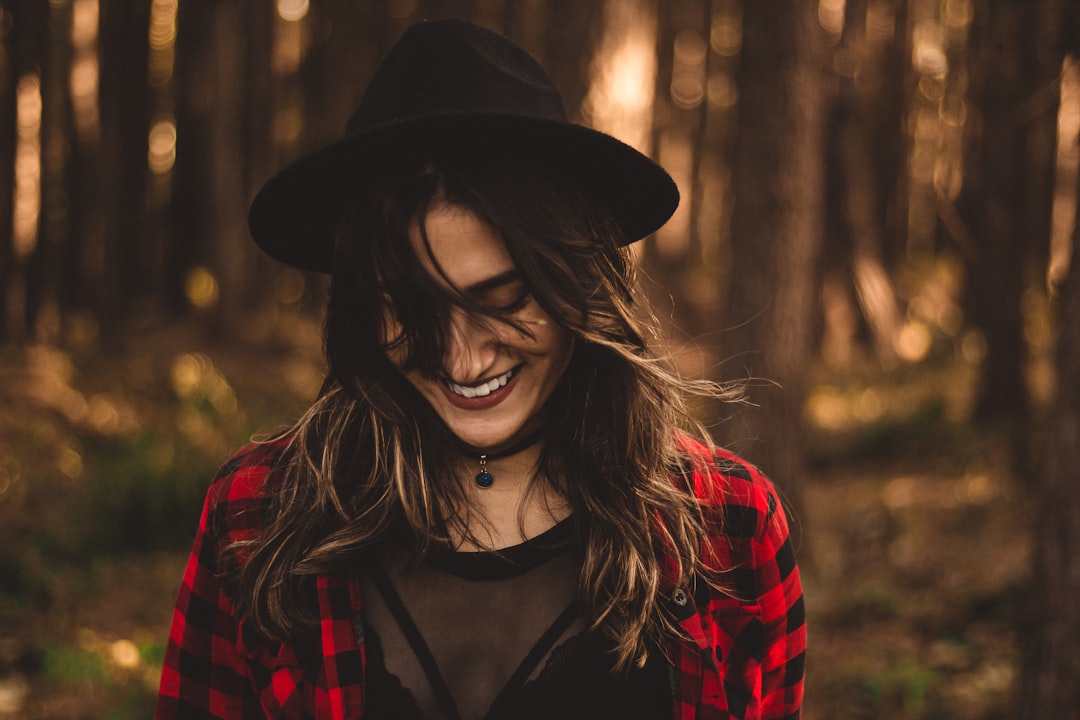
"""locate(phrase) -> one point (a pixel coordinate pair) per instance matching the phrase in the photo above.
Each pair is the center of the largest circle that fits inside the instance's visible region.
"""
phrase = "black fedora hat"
(451, 81)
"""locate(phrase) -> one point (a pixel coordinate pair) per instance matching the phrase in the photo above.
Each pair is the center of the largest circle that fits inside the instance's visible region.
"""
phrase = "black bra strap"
(538, 651)
(412, 634)
(439, 687)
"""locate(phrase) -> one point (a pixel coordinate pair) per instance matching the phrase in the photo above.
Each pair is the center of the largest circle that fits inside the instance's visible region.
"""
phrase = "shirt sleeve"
(783, 615)
(204, 674)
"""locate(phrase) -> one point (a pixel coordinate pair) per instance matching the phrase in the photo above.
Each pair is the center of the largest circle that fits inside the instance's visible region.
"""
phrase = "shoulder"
(235, 500)
(746, 537)
(734, 496)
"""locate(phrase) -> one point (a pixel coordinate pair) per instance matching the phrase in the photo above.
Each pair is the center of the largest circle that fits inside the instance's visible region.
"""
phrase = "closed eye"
(506, 294)
(516, 306)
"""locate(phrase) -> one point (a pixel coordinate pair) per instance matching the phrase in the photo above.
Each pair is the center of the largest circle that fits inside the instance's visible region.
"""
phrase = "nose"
(471, 347)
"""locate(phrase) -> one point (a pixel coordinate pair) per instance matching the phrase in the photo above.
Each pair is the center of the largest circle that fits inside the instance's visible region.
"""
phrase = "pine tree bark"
(856, 240)
(1003, 75)
(125, 124)
(231, 251)
(778, 181)
(9, 77)
(1051, 628)
(1049, 687)
(22, 272)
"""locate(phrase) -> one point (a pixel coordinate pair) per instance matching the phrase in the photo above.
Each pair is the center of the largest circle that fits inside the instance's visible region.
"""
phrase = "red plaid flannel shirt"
(744, 658)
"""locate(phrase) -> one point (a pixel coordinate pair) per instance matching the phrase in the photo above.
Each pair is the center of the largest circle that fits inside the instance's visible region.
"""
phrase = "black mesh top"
(495, 635)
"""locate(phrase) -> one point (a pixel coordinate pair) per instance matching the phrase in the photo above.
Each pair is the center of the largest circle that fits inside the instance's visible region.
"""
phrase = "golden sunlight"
(83, 77)
(162, 40)
(161, 146)
(201, 288)
(688, 70)
(27, 197)
(1068, 163)
(928, 49)
(288, 46)
(831, 16)
(293, 10)
(623, 76)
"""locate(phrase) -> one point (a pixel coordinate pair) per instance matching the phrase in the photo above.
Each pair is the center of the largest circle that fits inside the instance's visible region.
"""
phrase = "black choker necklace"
(484, 478)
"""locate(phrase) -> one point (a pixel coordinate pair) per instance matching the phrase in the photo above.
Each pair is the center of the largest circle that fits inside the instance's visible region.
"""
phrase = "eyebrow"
(503, 278)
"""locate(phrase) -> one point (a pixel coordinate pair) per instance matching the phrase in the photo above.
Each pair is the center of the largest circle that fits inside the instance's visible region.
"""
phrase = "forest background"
(877, 225)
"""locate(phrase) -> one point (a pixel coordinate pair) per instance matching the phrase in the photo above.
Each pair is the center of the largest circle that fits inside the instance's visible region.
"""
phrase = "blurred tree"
(997, 199)
(1051, 623)
(569, 31)
(778, 182)
(127, 278)
(9, 78)
(25, 267)
(230, 250)
(84, 252)
(346, 41)
(864, 146)
(1050, 626)
(226, 115)
(682, 126)
(53, 260)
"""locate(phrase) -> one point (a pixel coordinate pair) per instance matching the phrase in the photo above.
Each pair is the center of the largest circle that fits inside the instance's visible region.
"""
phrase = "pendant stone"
(483, 478)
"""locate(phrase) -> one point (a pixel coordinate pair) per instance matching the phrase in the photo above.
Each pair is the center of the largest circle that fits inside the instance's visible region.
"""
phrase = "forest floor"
(914, 544)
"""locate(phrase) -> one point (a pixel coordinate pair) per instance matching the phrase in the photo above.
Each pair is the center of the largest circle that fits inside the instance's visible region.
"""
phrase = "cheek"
(559, 346)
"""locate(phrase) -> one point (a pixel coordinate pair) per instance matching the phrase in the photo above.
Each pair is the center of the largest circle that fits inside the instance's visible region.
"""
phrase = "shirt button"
(679, 597)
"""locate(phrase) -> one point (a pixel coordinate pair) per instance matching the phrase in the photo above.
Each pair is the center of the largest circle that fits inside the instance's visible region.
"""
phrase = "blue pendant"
(483, 478)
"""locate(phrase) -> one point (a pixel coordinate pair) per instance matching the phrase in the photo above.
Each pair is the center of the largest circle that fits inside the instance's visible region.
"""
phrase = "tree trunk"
(125, 124)
(55, 226)
(1049, 686)
(1051, 631)
(9, 78)
(231, 253)
(1002, 77)
(778, 181)
(24, 284)
(571, 31)
(188, 212)
(855, 243)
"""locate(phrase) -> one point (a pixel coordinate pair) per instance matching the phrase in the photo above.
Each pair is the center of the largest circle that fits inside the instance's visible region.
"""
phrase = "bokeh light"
(27, 205)
(161, 146)
(293, 10)
(201, 288)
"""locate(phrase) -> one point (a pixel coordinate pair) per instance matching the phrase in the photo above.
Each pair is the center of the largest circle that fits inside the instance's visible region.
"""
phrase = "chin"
(487, 438)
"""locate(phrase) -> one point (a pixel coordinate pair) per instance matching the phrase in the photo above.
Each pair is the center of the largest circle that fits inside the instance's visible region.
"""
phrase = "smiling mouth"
(482, 389)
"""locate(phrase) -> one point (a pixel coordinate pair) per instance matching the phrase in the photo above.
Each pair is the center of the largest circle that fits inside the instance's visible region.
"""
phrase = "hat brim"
(294, 216)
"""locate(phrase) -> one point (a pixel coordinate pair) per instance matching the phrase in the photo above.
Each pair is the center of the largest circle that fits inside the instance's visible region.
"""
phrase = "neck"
(507, 513)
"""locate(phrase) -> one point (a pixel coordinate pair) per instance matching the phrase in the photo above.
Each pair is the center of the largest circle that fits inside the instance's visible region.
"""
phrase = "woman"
(495, 507)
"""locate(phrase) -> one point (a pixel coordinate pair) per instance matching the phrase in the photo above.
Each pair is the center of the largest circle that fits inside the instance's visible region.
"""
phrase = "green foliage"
(25, 581)
(152, 653)
(904, 687)
(88, 675)
(133, 704)
(64, 665)
(145, 493)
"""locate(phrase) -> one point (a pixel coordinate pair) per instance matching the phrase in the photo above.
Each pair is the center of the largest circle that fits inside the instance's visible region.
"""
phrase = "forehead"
(461, 249)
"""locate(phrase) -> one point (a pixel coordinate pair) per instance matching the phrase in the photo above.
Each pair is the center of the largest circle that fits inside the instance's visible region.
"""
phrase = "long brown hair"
(370, 454)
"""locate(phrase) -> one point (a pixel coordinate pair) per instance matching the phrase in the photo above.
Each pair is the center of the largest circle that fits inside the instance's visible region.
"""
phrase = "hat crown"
(453, 67)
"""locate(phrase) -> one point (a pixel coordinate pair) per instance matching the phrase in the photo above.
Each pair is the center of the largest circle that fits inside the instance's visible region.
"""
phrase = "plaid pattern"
(747, 651)
(744, 658)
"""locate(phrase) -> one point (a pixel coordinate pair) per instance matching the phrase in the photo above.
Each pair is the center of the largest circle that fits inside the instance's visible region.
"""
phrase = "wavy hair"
(370, 455)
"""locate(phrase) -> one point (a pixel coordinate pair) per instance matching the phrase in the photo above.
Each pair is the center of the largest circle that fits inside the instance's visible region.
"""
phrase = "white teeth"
(485, 388)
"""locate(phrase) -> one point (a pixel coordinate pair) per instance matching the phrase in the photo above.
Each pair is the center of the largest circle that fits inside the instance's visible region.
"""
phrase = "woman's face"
(494, 379)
